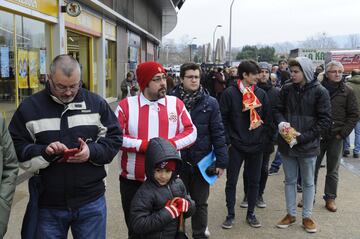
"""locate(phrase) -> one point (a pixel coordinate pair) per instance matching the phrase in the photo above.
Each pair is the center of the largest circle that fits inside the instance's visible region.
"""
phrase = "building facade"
(108, 38)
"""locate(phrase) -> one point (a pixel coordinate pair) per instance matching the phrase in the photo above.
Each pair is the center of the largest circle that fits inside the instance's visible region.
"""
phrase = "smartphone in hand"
(70, 152)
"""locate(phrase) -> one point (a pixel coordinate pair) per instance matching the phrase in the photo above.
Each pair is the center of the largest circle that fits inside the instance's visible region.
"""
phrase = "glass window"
(24, 57)
(32, 55)
(7, 67)
(110, 51)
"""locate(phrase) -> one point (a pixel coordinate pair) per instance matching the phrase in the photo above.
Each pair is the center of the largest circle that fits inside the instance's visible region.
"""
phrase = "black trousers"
(263, 176)
(253, 162)
(199, 191)
(128, 188)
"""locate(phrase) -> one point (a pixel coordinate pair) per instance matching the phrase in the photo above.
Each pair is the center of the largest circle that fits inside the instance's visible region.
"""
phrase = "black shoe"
(260, 203)
(346, 153)
(244, 203)
(228, 223)
(253, 221)
(273, 171)
(299, 188)
(356, 155)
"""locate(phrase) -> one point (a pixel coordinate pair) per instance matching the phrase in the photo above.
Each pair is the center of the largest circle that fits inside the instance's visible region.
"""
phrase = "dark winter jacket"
(219, 82)
(237, 122)
(344, 110)
(273, 96)
(354, 83)
(148, 215)
(42, 119)
(307, 109)
(210, 131)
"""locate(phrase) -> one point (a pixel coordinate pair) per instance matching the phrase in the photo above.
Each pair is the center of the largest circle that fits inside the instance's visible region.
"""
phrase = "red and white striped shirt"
(142, 120)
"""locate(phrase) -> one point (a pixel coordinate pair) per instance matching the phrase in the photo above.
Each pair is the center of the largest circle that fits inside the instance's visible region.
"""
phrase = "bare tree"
(354, 41)
(319, 41)
(283, 48)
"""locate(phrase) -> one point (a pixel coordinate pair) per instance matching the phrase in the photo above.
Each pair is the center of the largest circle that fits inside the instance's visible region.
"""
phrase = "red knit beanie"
(146, 71)
(168, 164)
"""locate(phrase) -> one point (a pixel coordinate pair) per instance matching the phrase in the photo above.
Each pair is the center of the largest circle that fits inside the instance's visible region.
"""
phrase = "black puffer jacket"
(148, 215)
(307, 109)
(273, 95)
(344, 109)
(210, 131)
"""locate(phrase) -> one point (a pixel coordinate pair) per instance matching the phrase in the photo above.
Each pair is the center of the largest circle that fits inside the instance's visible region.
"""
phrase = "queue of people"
(66, 136)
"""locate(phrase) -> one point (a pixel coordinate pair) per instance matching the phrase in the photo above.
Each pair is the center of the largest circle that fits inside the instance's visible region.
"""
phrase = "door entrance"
(78, 47)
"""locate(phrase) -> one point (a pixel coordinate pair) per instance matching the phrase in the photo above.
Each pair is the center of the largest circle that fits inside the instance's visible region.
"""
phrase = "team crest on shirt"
(172, 117)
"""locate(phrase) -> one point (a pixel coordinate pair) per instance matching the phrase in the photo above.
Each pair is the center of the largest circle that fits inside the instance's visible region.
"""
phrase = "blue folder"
(204, 164)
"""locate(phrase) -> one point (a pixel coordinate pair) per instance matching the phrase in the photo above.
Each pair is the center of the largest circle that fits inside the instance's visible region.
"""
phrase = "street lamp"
(214, 43)
(230, 31)
(190, 46)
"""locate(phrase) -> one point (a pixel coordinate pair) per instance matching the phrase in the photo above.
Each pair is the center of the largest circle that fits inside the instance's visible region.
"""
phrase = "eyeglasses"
(159, 78)
(335, 71)
(192, 77)
(63, 89)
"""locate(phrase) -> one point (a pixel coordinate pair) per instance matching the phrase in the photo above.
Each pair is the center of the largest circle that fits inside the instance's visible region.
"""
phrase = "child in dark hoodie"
(157, 205)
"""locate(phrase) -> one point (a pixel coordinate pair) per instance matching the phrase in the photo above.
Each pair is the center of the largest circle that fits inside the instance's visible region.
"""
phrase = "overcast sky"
(265, 21)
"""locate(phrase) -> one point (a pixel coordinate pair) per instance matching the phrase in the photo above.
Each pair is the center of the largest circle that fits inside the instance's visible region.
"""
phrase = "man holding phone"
(67, 134)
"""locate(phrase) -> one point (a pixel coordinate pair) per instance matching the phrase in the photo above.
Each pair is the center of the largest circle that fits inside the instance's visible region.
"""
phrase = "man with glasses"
(150, 114)
(66, 135)
(205, 113)
(345, 115)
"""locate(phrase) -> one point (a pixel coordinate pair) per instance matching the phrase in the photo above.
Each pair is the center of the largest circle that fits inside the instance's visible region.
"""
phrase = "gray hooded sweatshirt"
(307, 109)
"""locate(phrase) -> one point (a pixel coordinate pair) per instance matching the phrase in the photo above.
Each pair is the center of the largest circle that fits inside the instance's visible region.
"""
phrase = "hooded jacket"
(307, 109)
(8, 173)
(148, 215)
(210, 131)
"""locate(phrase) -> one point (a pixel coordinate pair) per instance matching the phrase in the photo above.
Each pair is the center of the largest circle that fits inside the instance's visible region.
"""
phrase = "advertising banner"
(42, 62)
(4, 62)
(34, 69)
(23, 61)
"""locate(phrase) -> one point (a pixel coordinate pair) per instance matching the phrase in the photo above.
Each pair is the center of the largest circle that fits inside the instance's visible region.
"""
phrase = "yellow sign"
(34, 69)
(23, 74)
(48, 7)
(85, 22)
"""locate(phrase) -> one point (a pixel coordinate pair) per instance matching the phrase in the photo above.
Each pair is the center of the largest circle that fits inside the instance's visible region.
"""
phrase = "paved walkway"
(345, 223)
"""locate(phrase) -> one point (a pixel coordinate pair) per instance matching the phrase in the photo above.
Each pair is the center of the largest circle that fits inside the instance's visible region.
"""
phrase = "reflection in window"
(31, 55)
(110, 51)
(7, 69)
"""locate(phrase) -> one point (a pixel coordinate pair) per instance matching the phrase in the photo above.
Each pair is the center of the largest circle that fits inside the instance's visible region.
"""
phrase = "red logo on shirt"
(172, 117)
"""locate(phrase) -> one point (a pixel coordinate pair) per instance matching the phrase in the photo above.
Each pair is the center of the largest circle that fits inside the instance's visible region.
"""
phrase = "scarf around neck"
(190, 98)
(250, 102)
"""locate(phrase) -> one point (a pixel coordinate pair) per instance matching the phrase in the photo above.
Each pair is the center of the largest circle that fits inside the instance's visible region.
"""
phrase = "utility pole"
(230, 58)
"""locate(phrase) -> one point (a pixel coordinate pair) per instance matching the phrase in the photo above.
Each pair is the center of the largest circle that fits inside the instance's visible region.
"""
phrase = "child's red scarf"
(250, 102)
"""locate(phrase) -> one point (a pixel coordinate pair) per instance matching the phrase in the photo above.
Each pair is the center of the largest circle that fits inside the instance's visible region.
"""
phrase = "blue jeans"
(88, 221)
(307, 170)
(276, 163)
(357, 140)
